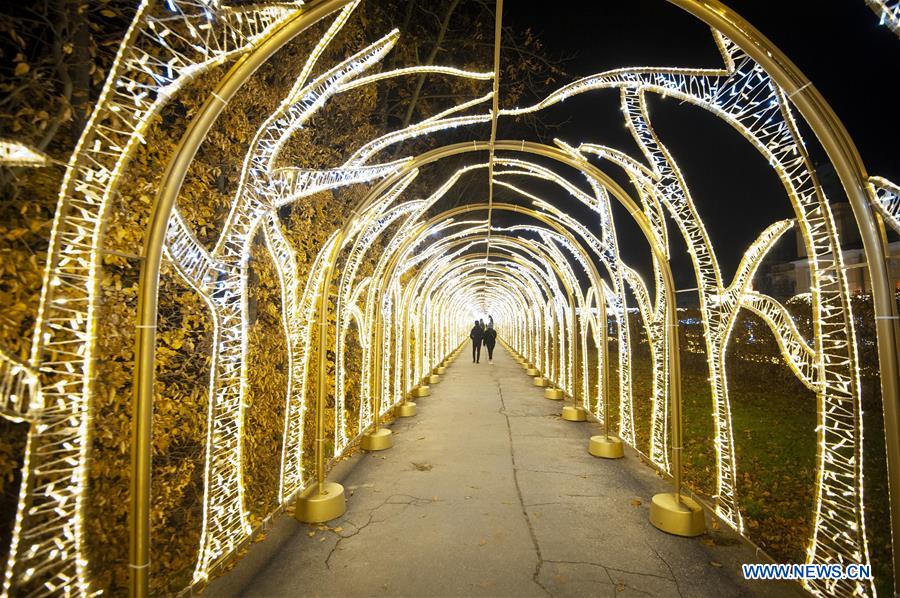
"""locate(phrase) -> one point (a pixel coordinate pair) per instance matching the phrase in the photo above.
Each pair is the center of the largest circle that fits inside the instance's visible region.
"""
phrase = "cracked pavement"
(488, 493)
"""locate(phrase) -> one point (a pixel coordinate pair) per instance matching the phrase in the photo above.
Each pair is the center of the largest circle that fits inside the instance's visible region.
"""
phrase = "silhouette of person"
(490, 339)
(477, 335)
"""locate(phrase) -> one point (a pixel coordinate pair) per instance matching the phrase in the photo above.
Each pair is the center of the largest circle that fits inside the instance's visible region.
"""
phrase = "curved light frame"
(66, 331)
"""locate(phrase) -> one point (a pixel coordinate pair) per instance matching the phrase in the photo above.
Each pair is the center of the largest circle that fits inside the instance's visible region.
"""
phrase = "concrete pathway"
(488, 493)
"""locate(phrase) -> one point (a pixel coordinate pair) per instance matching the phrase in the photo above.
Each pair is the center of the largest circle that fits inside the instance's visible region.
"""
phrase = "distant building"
(790, 276)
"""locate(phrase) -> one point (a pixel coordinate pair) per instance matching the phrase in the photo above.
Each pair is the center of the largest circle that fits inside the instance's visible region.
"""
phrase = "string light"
(20, 386)
(163, 50)
(888, 12)
(421, 285)
(744, 95)
(262, 188)
(13, 153)
(885, 197)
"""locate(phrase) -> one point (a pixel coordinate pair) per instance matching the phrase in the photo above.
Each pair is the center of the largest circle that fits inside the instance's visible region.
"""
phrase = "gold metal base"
(405, 409)
(554, 394)
(532, 371)
(606, 447)
(684, 518)
(313, 507)
(420, 391)
(432, 379)
(570, 413)
(379, 440)
(440, 370)
(540, 381)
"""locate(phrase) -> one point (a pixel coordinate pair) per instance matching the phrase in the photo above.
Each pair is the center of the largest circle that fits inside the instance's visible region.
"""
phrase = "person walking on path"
(490, 339)
(477, 335)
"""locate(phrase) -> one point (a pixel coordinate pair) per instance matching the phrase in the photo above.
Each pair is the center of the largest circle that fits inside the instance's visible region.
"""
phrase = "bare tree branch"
(429, 61)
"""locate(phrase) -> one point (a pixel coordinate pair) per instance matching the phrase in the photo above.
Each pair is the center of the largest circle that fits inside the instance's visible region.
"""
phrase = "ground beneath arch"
(488, 493)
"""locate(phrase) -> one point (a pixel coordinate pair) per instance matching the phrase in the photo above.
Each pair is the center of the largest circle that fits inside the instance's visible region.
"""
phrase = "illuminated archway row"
(419, 291)
(425, 230)
(421, 363)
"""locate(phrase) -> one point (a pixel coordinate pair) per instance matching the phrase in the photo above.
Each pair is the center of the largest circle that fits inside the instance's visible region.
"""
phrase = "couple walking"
(483, 334)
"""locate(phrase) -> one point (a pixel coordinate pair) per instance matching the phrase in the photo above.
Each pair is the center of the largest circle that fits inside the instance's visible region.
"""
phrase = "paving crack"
(616, 582)
(512, 455)
(616, 569)
(580, 475)
(411, 500)
(643, 574)
(669, 567)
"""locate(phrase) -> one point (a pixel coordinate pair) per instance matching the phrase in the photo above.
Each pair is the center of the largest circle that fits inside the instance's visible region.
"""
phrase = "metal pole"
(674, 374)
(322, 387)
(604, 351)
(573, 382)
(322, 390)
(495, 111)
(376, 373)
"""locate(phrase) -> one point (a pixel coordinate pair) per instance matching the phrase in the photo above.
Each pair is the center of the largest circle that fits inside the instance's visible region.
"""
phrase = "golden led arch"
(555, 231)
(423, 289)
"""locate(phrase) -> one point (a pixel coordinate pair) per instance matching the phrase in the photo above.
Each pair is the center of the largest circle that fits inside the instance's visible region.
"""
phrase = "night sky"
(838, 44)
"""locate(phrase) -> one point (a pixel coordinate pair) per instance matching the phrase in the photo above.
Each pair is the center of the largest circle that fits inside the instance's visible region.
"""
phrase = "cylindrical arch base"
(532, 371)
(606, 447)
(405, 409)
(554, 394)
(540, 381)
(378, 440)
(420, 391)
(681, 518)
(433, 379)
(315, 507)
(570, 413)
(440, 370)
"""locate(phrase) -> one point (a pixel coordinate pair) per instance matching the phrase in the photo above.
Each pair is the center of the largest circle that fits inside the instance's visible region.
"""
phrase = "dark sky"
(838, 44)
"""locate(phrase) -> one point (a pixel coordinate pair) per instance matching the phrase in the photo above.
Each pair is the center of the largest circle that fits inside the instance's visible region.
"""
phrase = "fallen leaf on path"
(635, 502)
(716, 564)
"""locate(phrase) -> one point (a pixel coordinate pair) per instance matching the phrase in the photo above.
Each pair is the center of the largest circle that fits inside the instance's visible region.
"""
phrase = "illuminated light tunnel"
(404, 276)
